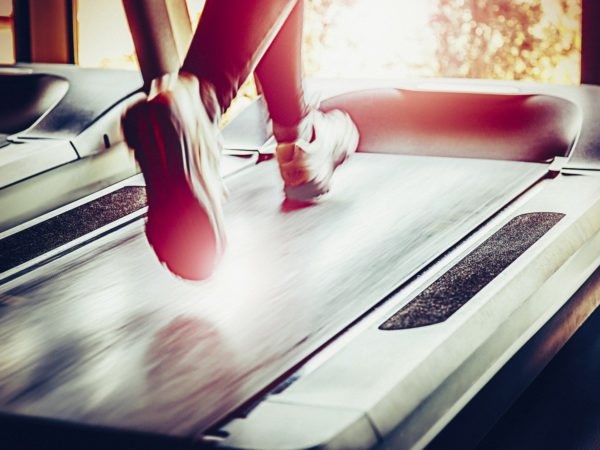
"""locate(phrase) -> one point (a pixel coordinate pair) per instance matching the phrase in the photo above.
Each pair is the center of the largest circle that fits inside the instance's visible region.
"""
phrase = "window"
(103, 38)
(536, 40)
(7, 55)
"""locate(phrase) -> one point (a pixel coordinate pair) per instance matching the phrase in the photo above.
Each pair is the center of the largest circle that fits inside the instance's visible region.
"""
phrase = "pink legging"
(235, 37)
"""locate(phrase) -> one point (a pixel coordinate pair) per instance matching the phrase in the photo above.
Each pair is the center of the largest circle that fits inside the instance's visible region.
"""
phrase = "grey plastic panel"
(19, 161)
(27, 97)
(82, 103)
(518, 127)
(280, 426)
(585, 153)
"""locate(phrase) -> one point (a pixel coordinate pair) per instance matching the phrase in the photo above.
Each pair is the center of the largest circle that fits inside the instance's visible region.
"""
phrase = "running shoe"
(176, 140)
(309, 152)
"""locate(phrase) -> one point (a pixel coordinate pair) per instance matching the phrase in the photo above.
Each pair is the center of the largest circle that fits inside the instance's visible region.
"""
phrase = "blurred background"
(537, 40)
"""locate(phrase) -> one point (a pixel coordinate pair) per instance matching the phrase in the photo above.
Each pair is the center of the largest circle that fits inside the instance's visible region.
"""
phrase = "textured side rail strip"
(45, 236)
(464, 280)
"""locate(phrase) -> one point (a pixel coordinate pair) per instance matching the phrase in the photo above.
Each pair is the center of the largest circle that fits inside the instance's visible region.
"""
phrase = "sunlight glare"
(390, 36)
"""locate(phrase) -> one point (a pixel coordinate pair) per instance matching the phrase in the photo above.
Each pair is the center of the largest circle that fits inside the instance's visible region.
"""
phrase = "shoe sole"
(178, 228)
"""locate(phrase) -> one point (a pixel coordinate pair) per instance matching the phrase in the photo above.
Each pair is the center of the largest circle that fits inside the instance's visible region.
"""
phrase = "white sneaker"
(178, 146)
(309, 153)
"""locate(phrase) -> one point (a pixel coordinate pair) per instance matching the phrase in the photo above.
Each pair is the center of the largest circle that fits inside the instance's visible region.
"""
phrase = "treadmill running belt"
(131, 346)
(464, 280)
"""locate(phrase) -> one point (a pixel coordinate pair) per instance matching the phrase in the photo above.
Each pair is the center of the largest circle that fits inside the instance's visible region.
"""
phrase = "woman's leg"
(280, 72)
(311, 143)
(232, 37)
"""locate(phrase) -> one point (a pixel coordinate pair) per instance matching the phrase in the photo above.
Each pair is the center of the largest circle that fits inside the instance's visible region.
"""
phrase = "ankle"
(204, 88)
(303, 129)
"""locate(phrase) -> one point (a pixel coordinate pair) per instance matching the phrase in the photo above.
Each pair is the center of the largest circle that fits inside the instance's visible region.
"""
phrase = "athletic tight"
(236, 37)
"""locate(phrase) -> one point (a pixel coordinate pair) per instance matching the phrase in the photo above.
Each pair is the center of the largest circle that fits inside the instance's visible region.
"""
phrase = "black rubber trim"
(45, 236)
(464, 280)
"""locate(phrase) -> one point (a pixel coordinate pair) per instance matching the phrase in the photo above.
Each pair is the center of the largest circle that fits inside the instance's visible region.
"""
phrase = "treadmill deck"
(105, 336)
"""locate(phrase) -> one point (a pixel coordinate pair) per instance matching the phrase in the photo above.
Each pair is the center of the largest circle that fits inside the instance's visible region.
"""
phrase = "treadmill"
(457, 250)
